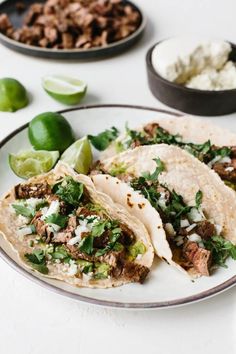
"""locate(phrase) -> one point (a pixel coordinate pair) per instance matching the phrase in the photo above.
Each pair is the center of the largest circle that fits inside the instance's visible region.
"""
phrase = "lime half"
(79, 155)
(30, 163)
(13, 95)
(64, 89)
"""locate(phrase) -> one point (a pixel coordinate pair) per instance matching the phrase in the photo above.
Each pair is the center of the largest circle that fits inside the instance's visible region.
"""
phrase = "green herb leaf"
(60, 252)
(38, 261)
(114, 238)
(99, 228)
(101, 271)
(86, 245)
(87, 267)
(154, 176)
(24, 211)
(221, 249)
(103, 140)
(69, 191)
(60, 220)
(198, 199)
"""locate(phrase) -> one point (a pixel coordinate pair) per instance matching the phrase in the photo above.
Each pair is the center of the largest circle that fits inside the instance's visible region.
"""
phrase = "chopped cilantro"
(69, 191)
(38, 261)
(153, 176)
(60, 252)
(86, 245)
(101, 271)
(87, 267)
(103, 140)
(198, 199)
(221, 249)
(20, 209)
(60, 220)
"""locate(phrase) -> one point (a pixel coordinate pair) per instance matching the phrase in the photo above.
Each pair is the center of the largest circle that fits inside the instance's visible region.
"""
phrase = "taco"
(196, 208)
(212, 145)
(63, 228)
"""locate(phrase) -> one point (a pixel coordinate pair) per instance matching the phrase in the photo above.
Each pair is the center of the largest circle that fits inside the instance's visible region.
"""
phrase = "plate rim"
(92, 53)
(107, 303)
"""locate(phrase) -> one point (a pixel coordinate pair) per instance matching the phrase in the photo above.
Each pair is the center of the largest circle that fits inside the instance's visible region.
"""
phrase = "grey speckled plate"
(165, 287)
(8, 7)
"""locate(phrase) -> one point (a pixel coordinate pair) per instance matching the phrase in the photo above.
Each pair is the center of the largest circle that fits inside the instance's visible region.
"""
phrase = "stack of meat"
(69, 24)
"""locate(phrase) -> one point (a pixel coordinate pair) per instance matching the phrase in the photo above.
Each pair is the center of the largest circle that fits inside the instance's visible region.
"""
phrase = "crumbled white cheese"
(162, 200)
(54, 208)
(169, 229)
(85, 225)
(195, 63)
(23, 231)
(184, 223)
(33, 202)
(88, 276)
(73, 268)
(195, 238)
(218, 229)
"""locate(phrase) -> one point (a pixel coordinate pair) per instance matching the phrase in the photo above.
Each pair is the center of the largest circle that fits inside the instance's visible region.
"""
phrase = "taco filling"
(64, 227)
(220, 159)
(195, 241)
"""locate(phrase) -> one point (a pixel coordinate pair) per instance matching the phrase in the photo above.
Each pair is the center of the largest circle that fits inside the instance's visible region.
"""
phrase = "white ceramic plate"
(165, 287)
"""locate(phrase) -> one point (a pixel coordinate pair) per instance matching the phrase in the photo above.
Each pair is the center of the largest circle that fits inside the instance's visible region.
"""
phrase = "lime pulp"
(79, 156)
(31, 163)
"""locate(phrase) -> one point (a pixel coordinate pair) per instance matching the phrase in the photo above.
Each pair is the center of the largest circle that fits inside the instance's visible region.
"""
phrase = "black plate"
(193, 101)
(16, 18)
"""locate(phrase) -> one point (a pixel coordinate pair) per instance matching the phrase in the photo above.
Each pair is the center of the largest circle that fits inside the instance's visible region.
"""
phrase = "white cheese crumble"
(23, 231)
(54, 208)
(229, 169)
(219, 159)
(73, 268)
(196, 63)
(85, 225)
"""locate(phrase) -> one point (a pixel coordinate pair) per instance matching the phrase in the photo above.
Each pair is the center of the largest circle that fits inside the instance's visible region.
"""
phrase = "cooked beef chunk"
(63, 236)
(30, 190)
(68, 24)
(82, 211)
(205, 229)
(222, 170)
(127, 236)
(233, 151)
(102, 241)
(20, 6)
(135, 143)
(151, 129)
(41, 228)
(199, 257)
(135, 272)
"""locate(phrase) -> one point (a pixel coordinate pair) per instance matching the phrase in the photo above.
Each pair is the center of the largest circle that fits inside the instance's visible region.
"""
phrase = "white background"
(34, 320)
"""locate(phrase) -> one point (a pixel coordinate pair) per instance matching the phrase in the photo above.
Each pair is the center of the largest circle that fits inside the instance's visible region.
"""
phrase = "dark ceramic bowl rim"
(178, 86)
(135, 34)
(152, 305)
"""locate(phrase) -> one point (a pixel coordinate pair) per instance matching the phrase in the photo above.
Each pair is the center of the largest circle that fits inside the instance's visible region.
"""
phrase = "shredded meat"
(221, 170)
(30, 190)
(135, 272)
(68, 24)
(127, 236)
(205, 229)
(150, 129)
(199, 257)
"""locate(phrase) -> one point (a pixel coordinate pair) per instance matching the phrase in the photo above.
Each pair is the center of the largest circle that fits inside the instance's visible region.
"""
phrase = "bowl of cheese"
(194, 75)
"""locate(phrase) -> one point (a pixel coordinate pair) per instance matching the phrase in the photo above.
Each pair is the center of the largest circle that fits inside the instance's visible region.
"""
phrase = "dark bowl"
(193, 101)
(111, 49)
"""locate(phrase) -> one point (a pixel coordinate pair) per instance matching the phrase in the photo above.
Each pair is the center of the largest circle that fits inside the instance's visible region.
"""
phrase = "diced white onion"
(33, 202)
(191, 227)
(169, 229)
(219, 159)
(88, 276)
(139, 257)
(195, 238)
(184, 223)
(218, 229)
(179, 240)
(195, 215)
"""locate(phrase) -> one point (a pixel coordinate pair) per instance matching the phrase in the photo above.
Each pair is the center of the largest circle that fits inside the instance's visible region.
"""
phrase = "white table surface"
(34, 320)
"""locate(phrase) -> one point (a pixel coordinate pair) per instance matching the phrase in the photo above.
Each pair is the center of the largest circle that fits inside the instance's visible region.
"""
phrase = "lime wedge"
(79, 156)
(64, 89)
(30, 163)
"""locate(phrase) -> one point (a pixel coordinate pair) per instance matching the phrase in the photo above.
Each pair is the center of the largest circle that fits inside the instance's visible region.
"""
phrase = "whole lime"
(50, 131)
(13, 95)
